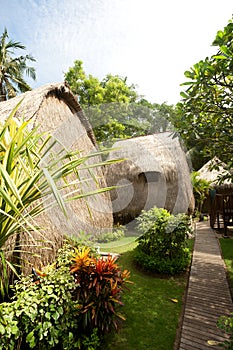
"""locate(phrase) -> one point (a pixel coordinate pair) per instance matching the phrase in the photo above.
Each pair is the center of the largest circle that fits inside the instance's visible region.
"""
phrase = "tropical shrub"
(162, 244)
(43, 313)
(201, 189)
(117, 233)
(70, 304)
(29, 185)
(99, 287)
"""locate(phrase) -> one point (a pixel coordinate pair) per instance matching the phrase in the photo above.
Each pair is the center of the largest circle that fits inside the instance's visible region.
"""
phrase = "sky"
(150, 42)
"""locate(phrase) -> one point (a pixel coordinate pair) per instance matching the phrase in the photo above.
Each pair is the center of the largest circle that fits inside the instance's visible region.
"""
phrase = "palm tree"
(12, 69)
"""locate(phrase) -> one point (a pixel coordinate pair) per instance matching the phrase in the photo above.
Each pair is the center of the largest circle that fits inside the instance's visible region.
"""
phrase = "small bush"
(162, 245)
(43, 312)
(161, 265)
(201, 189)
(117, 233)
(99, 287)
(68, 305)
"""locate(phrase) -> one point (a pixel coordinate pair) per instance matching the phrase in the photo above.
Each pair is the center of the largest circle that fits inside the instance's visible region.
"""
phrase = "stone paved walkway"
(208, 295)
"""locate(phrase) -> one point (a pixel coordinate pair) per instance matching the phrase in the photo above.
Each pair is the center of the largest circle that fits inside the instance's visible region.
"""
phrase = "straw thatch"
(210, 173)
(54, 109)
(155, 172)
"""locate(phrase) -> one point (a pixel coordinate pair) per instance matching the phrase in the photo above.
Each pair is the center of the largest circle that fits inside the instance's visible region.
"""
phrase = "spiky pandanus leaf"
(33, 178)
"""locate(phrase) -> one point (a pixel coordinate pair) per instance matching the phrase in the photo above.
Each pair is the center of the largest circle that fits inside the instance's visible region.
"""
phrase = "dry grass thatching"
(54, 109)
(213, 175)
(155, 172)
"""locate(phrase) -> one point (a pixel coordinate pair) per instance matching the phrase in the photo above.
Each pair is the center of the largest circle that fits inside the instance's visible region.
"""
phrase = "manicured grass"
(121, 246)
(227, 252)
(152, 309)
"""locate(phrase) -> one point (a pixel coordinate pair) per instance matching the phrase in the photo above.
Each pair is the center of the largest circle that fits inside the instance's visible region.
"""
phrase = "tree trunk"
(2, 93)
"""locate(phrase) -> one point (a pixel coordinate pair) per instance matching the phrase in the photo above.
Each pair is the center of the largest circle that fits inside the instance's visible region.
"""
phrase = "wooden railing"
(222, 209)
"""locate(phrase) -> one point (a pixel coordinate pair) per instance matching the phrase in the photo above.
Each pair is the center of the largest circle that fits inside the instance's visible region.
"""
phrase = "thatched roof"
(210, 173)
(155, 172)
(32, 102)
(213, 175)
(54, 109)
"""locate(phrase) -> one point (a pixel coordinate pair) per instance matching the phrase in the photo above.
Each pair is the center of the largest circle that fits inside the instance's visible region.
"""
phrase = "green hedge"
(162, 245)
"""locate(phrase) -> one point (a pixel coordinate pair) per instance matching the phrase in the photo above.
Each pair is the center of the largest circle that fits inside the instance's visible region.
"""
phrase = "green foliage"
(205, 113)
(9, 329)
(201, 189)
(91, 91)
(43, 313)
(12, 68)
(114, 108)
(159, 116)
(99, 287)
(149, 309)
(196, 155)
(117, 120)
(227, 252)
(68, 305)
(161, 265)
(92, 342)
(117, 233)
(162, 244)
(121, 246)
(104, 102)
(226, 324)
(29, 185)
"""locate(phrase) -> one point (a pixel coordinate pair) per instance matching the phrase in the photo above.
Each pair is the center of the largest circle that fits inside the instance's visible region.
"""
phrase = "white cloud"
(151, 42)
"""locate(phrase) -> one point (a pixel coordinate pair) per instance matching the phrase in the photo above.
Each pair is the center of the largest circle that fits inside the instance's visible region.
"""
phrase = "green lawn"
(121, 246)
(151, 310)
(227, 252)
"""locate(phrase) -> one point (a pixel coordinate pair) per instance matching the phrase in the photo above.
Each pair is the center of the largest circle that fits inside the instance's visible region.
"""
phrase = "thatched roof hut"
(155, 172)
(209, 173)
(212, 172)
(54, 109)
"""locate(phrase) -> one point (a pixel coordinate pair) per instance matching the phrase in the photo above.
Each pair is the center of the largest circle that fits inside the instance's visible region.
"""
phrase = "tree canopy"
(12, 69)
(114, 108)
(205, 113)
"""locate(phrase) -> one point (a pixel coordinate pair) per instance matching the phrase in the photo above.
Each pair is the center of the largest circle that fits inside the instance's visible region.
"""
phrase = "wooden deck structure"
(221, 210)
(208, 295)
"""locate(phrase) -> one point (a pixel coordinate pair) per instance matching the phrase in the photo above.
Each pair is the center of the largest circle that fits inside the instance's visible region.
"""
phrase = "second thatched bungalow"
(220, 191)
(154, 172)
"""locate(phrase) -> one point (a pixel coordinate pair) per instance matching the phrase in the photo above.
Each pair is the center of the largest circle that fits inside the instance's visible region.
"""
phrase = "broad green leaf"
(2, 329)
(14, 329)
(220, 57)
(31, 339)
(55, 191)
(8, 200)
(184, 95)
(225, 50)
(10, 184)
(91, 193)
